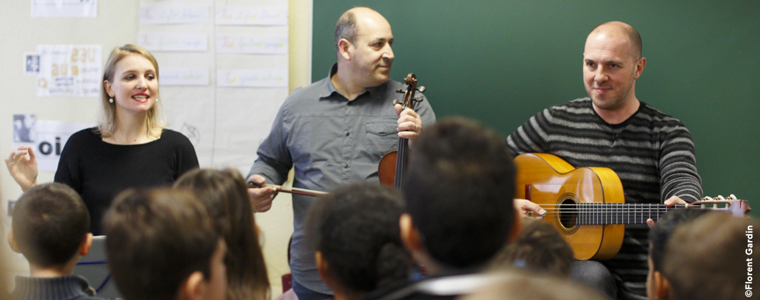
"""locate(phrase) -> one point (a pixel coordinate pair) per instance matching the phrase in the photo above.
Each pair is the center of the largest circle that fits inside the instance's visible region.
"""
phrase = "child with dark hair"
(658, 286)
(459, 213)
(539, 248)
(50, 227)
(354, 231)
(225, 194)
(162, 244)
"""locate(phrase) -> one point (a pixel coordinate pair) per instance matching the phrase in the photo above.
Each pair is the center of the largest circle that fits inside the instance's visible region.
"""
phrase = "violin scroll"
(409, 101)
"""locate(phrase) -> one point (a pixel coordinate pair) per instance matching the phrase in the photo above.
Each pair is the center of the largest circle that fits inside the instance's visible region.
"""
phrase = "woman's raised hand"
(22, 164)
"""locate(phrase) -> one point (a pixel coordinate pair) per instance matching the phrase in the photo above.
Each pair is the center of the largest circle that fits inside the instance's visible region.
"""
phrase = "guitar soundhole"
(568, 213)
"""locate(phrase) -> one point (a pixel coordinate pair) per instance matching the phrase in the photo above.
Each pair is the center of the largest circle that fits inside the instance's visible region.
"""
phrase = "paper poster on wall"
(64, 8)
(230, 15)
(173, 41)
(69, 70)
(183, 76)
(253, 78)
(252, 44)
(174, 14)
(222, 87)
(46, 138)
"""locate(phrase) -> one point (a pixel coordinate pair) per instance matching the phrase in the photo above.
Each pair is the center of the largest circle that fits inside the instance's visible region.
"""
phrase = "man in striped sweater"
(651, 152)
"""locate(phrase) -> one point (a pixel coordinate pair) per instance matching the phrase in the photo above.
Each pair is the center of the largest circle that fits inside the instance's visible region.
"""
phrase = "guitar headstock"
(730, 204)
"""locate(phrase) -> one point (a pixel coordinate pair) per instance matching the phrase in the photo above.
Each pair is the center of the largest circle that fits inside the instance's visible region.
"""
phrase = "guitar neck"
(632, 213)
(619, 213)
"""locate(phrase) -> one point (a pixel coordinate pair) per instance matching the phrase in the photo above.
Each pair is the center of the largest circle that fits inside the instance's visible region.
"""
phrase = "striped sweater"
(651, 152)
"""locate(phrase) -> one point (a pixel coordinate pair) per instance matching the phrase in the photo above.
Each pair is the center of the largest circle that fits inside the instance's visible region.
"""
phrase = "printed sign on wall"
(46, 138)
(69, 70)
(64, 8)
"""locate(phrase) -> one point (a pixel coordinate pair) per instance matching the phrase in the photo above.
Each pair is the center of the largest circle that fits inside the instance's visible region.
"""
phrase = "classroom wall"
(501, 62)
(116, 25)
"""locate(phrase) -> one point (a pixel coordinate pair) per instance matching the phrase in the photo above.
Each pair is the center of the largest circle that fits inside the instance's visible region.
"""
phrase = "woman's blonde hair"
(107, 121)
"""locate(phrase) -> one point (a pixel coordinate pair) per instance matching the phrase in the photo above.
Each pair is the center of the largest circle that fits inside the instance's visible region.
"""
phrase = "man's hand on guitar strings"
(670, 202)
(529, 209)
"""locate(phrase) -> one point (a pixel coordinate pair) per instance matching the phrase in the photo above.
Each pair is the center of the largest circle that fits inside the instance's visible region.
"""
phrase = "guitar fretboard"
(623, 213)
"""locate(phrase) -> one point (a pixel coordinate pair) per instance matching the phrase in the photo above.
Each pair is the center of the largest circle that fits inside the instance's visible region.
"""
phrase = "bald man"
(651, 152)
(335, 131)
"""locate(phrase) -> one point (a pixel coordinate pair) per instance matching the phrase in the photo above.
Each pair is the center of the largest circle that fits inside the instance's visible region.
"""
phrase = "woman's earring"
(110, 100)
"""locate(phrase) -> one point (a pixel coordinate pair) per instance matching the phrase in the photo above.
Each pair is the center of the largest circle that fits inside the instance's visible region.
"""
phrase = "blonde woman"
(130, 146)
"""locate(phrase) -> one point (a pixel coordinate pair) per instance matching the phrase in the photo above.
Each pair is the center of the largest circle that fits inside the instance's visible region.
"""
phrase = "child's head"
(711, 258)
(224, 192)
(539, 247)
(355, 233)
(161, 244)
(50, 225)
(459, 191)
(524, 285)
(659, 236)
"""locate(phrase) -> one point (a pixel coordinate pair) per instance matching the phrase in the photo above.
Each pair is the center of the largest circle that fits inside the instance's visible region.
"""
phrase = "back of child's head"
(540, 248)
(224, 192)
(155, 239)
(50, 222)
(664, 229)
(711, 258)
(515, 284)
(355, 228)
(459, 191)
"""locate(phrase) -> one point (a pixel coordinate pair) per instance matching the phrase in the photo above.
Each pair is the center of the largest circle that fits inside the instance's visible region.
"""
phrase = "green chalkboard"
(503, 61)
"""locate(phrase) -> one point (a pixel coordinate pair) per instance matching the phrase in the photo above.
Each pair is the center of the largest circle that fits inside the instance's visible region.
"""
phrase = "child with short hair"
(161, 244)
(711, 258)
(50, 228)
(540, 248)
(357, 241)
(658, 286)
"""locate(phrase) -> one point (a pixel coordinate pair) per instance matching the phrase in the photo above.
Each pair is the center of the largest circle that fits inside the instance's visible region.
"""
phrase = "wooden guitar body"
(553, 183)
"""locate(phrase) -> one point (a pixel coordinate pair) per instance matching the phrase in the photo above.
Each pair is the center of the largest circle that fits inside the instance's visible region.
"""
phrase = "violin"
(393, 164)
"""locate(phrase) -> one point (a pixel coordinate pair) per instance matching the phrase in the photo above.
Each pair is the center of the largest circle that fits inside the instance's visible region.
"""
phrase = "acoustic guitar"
(587, 205)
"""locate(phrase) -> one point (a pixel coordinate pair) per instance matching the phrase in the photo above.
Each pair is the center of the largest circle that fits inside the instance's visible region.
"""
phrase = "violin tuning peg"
(400, 91)
(421, 89)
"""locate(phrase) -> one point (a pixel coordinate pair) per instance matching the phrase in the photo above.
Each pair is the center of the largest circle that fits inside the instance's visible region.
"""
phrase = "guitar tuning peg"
(708, 198)
(732, 197)
(395, 101)
(720, 197)
(400, 91)
(421, 89)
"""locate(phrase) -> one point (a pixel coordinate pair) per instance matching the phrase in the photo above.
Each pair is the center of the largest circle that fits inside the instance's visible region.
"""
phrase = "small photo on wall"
(23, 128)
(31, 64)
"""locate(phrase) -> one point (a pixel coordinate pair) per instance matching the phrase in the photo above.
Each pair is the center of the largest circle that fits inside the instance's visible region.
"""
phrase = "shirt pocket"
(382, 136)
